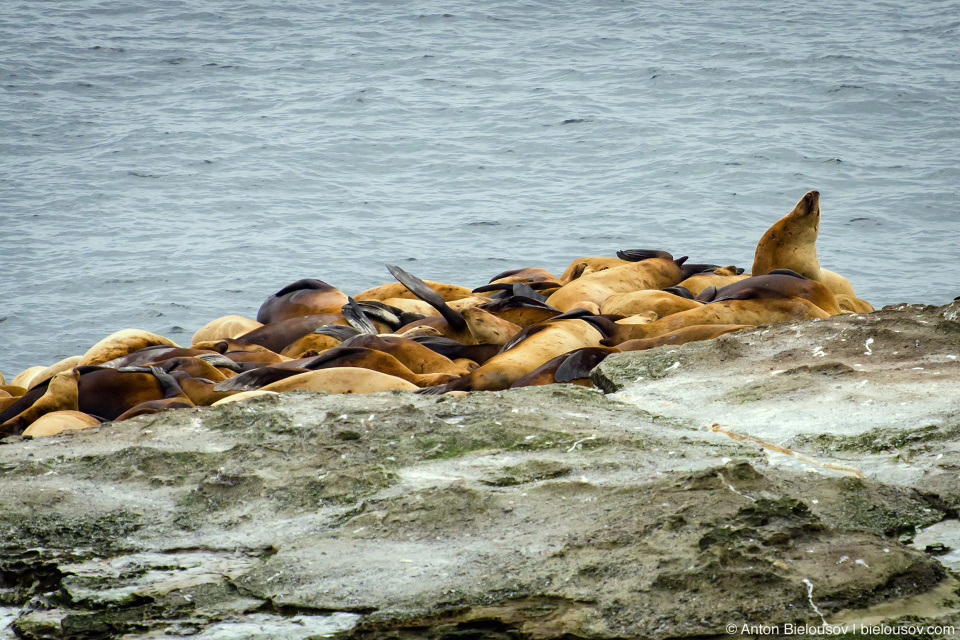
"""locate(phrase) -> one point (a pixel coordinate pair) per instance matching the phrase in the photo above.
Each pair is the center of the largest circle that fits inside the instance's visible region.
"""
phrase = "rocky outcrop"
(799, 474)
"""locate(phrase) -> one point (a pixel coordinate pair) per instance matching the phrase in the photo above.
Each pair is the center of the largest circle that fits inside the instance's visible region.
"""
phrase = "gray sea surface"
(166, 163)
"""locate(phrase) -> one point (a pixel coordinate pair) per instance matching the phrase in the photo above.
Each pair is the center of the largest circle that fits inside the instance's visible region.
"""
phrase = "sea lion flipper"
(787, 272)
(636, 255)
(677, 290)
(420, 289)
(337, 331)
(580, 363)
(707, 295)
(357, 318)
(525, 290)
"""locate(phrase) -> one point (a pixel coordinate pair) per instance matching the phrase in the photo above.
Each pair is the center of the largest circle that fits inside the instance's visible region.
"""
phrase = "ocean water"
(166, 163)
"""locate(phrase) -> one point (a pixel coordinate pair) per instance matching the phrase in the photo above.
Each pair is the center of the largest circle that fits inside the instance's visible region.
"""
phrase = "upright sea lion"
(791, 244)
(231, 326)
(121, 343)
(302, 298)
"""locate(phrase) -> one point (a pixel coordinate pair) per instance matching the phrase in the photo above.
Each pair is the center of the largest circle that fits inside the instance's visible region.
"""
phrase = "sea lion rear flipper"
(525, 290)
(337, 331)
(693, 269)
(357, 318)
(420, 289)
(707, 295)
(677, 290)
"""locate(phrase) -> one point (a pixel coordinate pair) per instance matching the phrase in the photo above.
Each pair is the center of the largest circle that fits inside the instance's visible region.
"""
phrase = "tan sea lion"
(412, 354)
(54, 369)
(541, 344)
(693, 333)
(26, 377)
(342, 380)
(779, 284)
(311, 342)
(61, 394)
(573, 368)
(449, 292)
(121, 343)
(657, 272)
(852, 304)
(591, 264)
(791, 244)
(231, 326)
(244, 395)
(58, 421)
(660, 302)
(740, 312)
(302, 298)
(717, 278)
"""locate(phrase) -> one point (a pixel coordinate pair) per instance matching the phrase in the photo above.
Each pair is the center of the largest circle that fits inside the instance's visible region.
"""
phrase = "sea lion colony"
(526, 327)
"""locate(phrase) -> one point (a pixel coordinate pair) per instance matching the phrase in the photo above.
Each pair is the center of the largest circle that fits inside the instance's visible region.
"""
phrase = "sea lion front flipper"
(338, 331)
(787, 272)
(420, 289)
(677, 290)
(636, 255)
(581, 362)
(707, 295)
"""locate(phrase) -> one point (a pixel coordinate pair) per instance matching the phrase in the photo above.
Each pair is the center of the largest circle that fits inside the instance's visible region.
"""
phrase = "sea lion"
(582, 266)
(791, 244)
(365, 358)
(201, 391)
(121, 343)
(107, 393)
(486, 328)
(280, 334)
(231, 326)
(152, 355)
(302, 298)
(778, 284)
(244, 395)
(449, 292)
(573, 367)
(412, 354)
(693, 333)
(61, 394)
(311, 342)
(65, 364)
(342, 380)
(520, 310)
(58, 421)
(660, 302)
(658, 271)
(852, 304)
(717, 278)
(527, 275)
(541, 344)
(26, 377)
(740, 312)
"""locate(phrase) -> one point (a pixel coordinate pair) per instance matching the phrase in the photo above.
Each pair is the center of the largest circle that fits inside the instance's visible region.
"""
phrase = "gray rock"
(792, 474)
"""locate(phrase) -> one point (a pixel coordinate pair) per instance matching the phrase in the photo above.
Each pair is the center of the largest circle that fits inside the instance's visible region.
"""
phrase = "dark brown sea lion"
(780, 284)
(279, 334)
(302, 298)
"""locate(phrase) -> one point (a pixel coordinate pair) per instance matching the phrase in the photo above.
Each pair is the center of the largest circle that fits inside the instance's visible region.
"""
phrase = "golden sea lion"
(311, 342)
(791, 244)
(540, 344)
(486, 328)
(54, 369)
(573, 367)
(660, 302)
(26, 377)
(656, 272)
(121, 343)
(693, 333)
(717, 278)
(741, 312)
(852, 304)
(778, 285)
(342, 380)
(58, 421)
(412, 354)
(449, 292)
(244, 395)
(582, 266)
(305, 297)
(60, 395)
(362, 357)
(232, 326)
